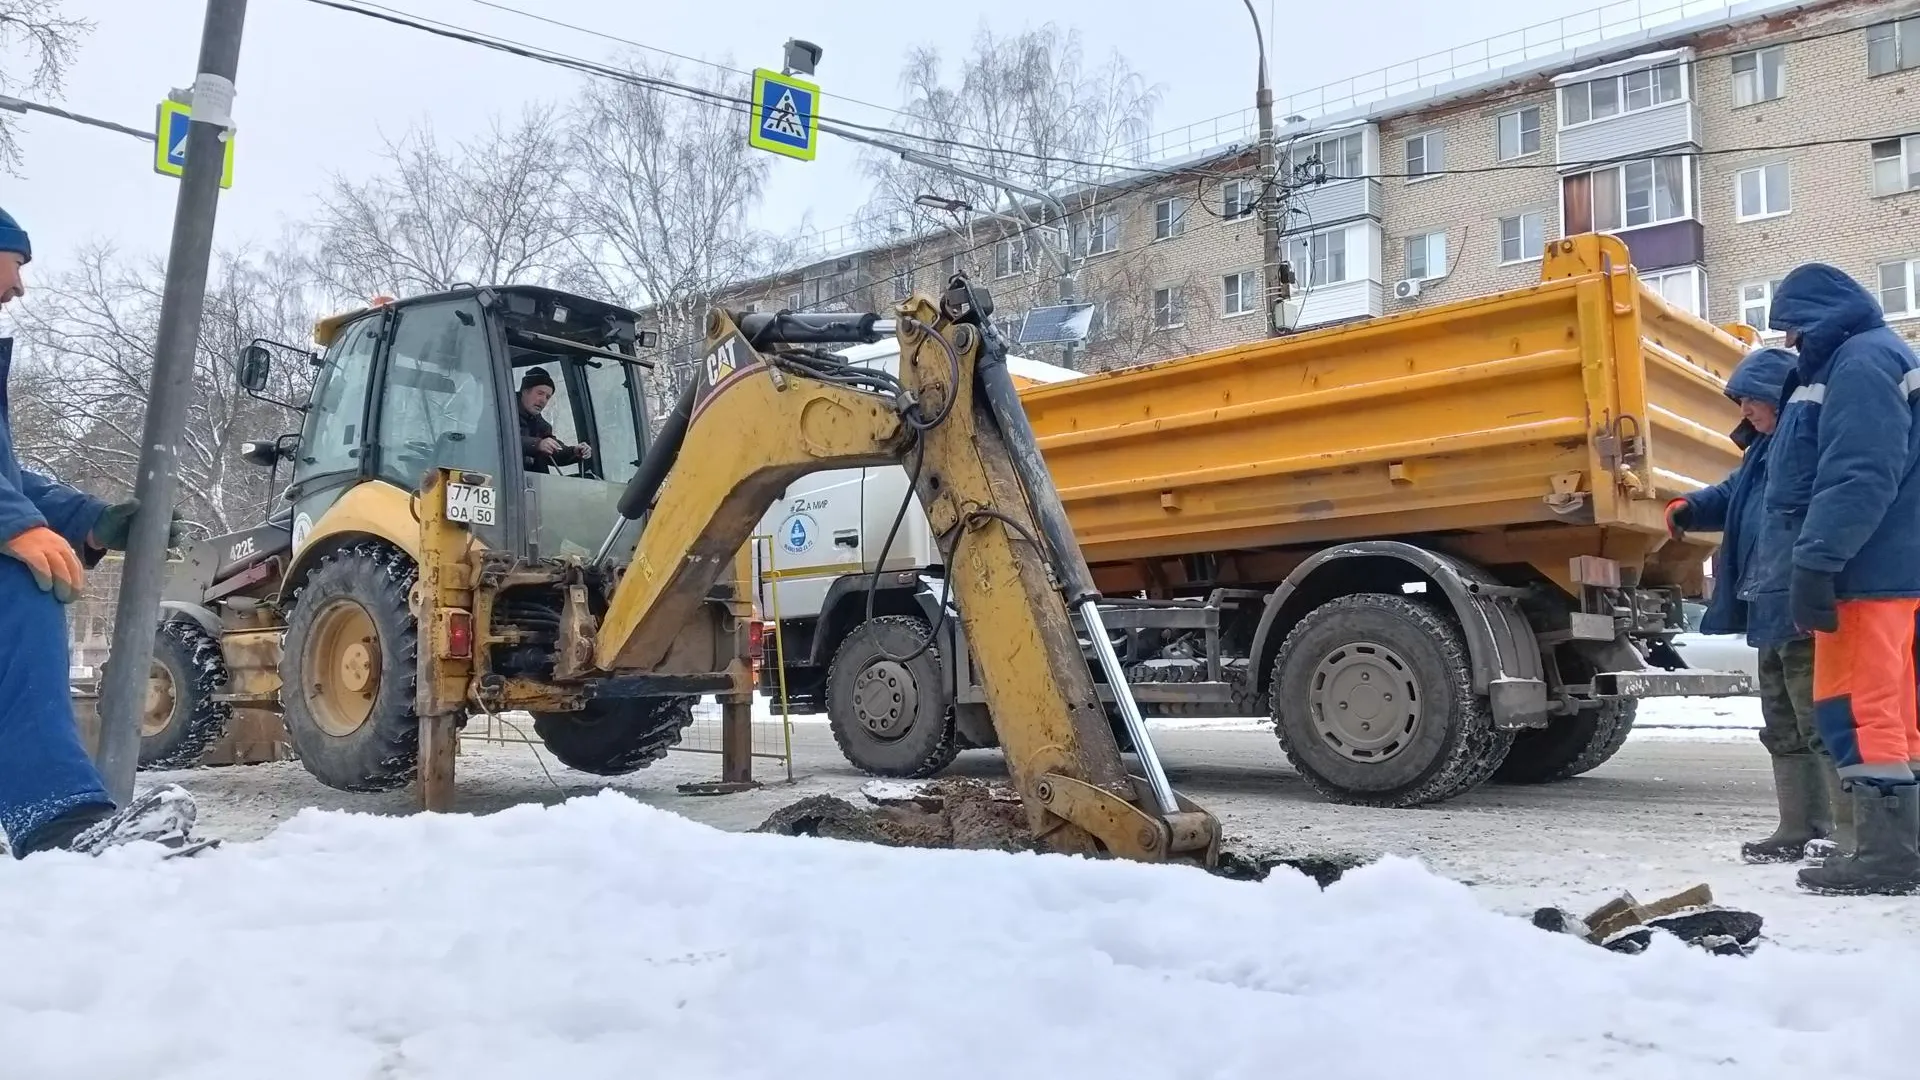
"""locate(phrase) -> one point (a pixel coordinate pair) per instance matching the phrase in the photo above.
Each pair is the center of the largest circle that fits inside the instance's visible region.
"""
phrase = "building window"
(1427, 256)
(1168, 311)
(1323, 255)
(1169, 218)
(1010, 258)
(1900, 288)
(1615, 95)
(1237, 198)
(1340, 158)
(796, 301)
(1893, 47)
(953, 266)
(903, 283)
(1425, 156)
(1240, 293)
(1627, 196)
(1100, 236)
(1756, 303)
(1517, 133)
(1761, 192)
(1684, 288)
(1759, 76)
(1896, 165)
(1522, 237)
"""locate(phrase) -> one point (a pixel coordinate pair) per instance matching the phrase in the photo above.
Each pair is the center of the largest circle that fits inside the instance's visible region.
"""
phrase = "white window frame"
(1433, 155)
(1238, 199)
(1750, 294)
(1518, 117)
(1751, 84)
(1175, 216)
(1426, 243)
(1011, 258)
(1686, 211)
(1657, 280)
(903, 284)
(1301, 252)
(1105, 227)
(1903, 37)
(1911, 286)
(1174, 310)
(1621, 92)
(1528, 252)
(1239, 294)
(1766, 209)
(1907, 153)
(1352, 144)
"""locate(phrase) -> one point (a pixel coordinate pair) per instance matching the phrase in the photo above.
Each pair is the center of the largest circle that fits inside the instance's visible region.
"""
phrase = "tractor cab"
(437, 381)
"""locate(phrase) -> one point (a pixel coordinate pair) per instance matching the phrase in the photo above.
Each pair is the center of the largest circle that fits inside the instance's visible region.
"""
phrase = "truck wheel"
(182, 719)
(1373, 703)
(348, 672)
(1569, 747)
(613, 738)
(891, 719)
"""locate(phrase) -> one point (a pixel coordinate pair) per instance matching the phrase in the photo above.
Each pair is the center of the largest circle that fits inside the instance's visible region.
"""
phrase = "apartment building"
(1723, 149)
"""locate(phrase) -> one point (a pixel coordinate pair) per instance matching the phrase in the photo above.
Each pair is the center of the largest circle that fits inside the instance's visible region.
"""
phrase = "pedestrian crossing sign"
(786, 115)
(170, 139)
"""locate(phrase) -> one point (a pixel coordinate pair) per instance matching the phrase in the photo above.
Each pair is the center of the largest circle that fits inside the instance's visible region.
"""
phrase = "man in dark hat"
(539, 450)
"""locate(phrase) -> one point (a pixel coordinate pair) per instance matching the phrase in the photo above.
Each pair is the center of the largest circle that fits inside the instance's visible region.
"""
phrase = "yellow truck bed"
(1584, 401)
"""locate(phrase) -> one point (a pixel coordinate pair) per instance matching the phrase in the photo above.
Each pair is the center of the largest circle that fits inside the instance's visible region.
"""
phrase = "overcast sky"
(317, 86)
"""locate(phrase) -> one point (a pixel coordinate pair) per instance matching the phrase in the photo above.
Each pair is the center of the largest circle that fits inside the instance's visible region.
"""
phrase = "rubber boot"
(1841, 841)
(1887, 859)
(1804, 813)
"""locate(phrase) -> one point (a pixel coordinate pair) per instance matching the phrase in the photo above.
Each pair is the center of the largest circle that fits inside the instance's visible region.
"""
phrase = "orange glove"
(53, 562)
(1679, 518)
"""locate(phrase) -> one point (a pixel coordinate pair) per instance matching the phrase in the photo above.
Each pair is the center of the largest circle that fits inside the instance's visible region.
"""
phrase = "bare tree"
(488, 211)
(38, 42)
(662, 186)
(1025, 110)
(89, 349)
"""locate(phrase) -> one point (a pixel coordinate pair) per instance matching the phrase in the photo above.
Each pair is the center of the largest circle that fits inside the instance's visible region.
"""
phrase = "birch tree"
(38, 43)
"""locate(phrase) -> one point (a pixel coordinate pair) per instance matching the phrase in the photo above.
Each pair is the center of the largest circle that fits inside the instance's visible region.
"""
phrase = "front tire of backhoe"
(613, 738)
(1373, 702)
(348, 671)
(890, 718)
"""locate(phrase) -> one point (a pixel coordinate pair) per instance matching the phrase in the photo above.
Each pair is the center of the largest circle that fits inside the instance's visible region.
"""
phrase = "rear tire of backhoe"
(348, 671)
(1373, 702)
(1568, 747)
(891, 719)
(613, 738)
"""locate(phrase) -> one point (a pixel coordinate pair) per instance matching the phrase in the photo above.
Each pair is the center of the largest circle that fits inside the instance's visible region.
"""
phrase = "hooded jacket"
(1843, 492)
(1734, 508)
(28, 499)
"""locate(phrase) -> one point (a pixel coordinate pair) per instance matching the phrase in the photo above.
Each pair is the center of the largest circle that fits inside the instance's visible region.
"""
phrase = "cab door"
(333, 453)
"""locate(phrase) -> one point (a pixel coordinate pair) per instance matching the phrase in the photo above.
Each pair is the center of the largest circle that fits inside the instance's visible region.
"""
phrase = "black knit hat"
(535, 377)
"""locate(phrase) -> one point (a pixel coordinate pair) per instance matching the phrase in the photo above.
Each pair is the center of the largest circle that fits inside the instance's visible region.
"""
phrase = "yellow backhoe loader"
(424, 568)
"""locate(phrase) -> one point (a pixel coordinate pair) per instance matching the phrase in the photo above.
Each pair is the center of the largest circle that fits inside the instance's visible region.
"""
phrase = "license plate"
(471, 503)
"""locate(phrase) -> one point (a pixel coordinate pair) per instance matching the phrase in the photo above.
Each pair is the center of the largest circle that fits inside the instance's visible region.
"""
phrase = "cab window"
(439, 407)
(335, 436)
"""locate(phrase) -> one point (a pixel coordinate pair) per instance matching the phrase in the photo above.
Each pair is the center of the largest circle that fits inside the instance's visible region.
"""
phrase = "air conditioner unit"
(1406, 289)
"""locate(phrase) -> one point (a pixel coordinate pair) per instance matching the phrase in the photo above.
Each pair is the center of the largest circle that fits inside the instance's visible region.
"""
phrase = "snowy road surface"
(607, 938)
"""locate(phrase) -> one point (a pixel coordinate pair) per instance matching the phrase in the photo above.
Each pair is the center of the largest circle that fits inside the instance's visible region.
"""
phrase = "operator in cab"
(540, 451)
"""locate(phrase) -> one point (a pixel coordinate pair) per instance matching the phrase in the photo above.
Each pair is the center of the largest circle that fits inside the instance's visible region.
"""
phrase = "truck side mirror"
(256, 364)
(262, 454)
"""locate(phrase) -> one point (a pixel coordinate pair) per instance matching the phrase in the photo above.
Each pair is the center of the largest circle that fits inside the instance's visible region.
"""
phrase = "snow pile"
(603, 938)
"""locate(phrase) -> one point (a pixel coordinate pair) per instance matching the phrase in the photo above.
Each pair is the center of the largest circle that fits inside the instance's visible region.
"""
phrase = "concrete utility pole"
(1271, 217)
(123, 686)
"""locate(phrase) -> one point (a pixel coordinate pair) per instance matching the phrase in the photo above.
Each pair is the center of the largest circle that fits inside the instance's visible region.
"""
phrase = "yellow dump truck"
(1430, 547)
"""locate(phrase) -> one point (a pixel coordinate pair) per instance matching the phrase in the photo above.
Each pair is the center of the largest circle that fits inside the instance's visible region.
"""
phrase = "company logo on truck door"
(797, 533)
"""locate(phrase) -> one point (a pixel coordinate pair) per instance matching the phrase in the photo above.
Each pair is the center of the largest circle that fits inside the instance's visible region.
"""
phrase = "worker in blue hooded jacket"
(51, 796)
(1806, 786)
(1843, 545)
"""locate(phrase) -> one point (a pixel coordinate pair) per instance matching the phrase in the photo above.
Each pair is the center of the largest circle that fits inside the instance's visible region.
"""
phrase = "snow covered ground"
(586, 928)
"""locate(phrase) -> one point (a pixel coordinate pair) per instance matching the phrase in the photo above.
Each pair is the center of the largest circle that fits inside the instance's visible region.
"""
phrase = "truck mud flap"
(1644, 684)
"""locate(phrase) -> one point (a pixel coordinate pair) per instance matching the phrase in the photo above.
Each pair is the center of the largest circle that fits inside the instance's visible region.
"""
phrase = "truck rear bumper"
(1644, 684)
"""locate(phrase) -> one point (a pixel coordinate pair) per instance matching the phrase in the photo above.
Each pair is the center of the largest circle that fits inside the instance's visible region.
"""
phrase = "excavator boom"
(767, 407)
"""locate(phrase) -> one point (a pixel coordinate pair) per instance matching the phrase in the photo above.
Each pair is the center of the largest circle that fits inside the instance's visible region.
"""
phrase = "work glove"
(110, 531)
(55, 566)
(1810, 595)
(1679, 518)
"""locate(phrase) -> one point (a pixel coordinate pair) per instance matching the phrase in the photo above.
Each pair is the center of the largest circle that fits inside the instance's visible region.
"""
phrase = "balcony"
(1337, 202)
(1636, 106)
(1666, 245)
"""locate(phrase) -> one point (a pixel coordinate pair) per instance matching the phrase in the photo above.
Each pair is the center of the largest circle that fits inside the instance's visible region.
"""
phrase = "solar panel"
(1057, 325)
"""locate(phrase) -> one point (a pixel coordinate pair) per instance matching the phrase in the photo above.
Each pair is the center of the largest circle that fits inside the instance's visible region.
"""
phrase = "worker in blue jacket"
(1843, 545)
(1806, 786)
(51, 796)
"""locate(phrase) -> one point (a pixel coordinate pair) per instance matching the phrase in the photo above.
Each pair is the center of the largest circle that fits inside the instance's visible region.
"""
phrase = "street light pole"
(1271, 217)
(123, 685)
